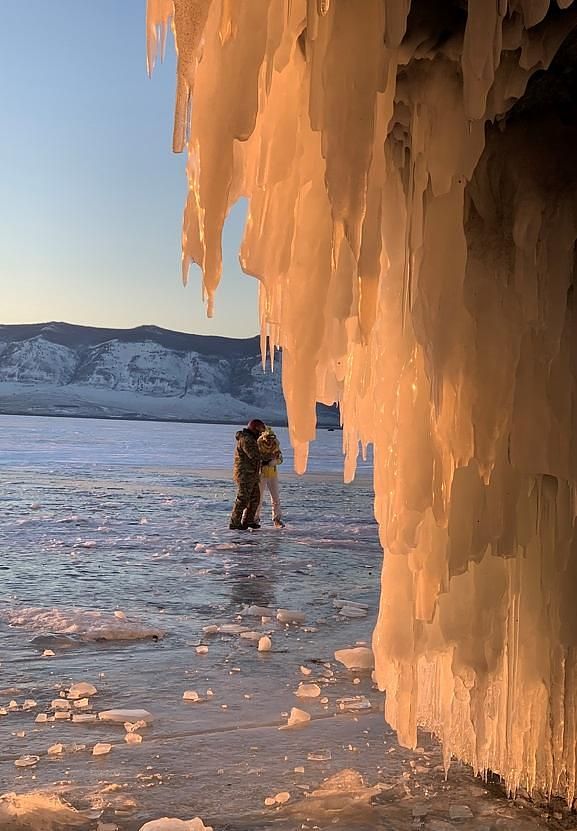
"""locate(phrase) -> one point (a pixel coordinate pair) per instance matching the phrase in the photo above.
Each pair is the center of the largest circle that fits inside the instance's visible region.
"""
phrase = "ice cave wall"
(412, 222)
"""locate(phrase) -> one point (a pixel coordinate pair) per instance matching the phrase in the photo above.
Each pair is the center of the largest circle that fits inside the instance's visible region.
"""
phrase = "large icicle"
(414, 236)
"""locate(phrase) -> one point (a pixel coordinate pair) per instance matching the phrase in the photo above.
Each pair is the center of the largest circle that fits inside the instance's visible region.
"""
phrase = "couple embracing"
(256, 458)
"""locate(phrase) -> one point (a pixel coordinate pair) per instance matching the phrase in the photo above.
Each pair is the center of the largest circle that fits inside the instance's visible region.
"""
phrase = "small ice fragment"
(20, 734)
(133, 726)
(250, 636)
(209, 693)
(126, 715)
(62, 715)
(269, 801)
(48, 653)
(340, 604)
(35, 506)
(460, 812)
(81, 703)
(353, 703)
(232, 628)
(306, 671)
(278, 799)
(120, 615)
(12, 705)
(55, 749)
(29, 704)
(60, 704)
(81, 690)
(359, 657)
(84, 718)
(41, 718)
(324, 700)
(213, 629)
(290, 616)
(101, 749)
(26, 761)
(106, 826)
(171, 824)
(264, 644)
(308, 690)
(258, 611)
(190, 695)
(356, 680)
(133, 738)
(297, 718)
(265, 619)
(319, 756)
(202, 649)
(352, 611)
(299, 769)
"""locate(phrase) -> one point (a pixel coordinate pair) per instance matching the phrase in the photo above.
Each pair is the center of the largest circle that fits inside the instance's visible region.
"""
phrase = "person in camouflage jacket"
(246, 474)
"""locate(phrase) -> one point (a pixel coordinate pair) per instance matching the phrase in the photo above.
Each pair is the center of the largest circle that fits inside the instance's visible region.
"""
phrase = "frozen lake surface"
(115, 555)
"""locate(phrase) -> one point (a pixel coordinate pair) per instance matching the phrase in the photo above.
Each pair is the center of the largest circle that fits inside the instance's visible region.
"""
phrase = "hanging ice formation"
(412, 222)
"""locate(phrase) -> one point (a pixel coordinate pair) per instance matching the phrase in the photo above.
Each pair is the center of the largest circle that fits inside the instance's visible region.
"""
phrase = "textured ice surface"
(415, 251)
(219, 758)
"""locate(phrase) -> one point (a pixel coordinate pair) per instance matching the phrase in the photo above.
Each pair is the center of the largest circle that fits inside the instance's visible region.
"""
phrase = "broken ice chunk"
(358, 657)
(319, 756)
(120, 615)
(213, 629)
(250, 636)
(81, 690)
(297, 718)
(264, 644)
(353, 703)
(29, 704)
(41, 718)
(55, 749)
(126, 715)
(133, 726)
(190, 695)
(258, 611)
(101, 749)
(352, 611)
(202, 649)
(133, 738)
(60, 704)
(84, 718)
(278, 799)
(290, 616)
(48, 653)
(308, 690)
(232, 629)
(170, 824)
(306, 671)
(340, 604)
(81, 703)
(26, 761)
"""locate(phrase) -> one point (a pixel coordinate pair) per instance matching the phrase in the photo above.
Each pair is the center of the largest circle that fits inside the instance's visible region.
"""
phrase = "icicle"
(416, 264)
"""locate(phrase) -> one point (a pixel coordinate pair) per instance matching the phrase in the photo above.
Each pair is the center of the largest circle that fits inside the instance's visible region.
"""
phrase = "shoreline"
(158, 419)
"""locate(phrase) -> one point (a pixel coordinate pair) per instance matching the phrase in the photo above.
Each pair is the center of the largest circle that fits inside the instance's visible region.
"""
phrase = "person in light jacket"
(271, 458)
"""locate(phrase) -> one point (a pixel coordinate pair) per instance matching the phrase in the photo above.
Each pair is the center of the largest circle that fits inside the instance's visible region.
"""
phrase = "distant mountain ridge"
(141, 373)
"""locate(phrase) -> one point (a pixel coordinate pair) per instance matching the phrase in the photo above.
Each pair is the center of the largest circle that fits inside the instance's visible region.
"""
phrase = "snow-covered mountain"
(147, 372)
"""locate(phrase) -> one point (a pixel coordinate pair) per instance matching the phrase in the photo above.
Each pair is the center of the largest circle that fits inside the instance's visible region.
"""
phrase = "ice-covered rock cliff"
(148, 372)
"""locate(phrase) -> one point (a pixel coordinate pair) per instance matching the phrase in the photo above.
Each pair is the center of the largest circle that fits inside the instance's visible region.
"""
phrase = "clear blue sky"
(91, 195)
